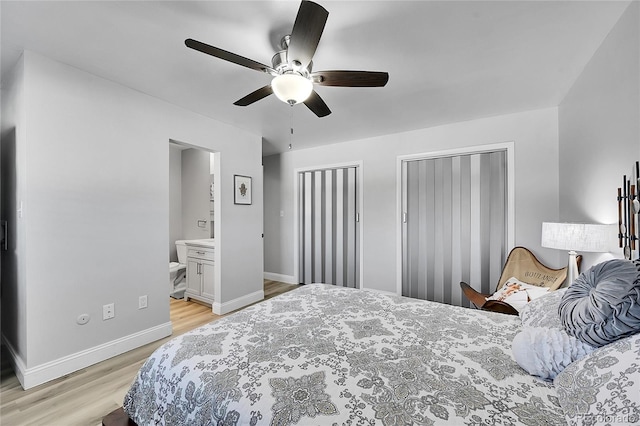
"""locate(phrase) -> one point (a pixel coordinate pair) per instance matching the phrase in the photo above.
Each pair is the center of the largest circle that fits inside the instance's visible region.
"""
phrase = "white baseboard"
(389, 293)
(289, 279)
(34, 376)
(240, 302)
(15, 360)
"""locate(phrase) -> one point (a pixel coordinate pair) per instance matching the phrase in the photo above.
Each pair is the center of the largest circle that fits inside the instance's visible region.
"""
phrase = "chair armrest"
(478, 299)
(498, 306)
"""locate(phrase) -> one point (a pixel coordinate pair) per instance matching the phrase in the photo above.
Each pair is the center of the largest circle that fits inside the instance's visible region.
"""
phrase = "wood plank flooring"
(86, 396)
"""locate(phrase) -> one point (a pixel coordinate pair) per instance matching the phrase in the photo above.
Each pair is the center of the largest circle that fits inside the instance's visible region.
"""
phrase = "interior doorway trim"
(296, 218)
(509, 147)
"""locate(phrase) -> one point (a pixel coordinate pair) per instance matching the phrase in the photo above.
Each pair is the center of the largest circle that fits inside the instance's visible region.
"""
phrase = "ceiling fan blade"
(315, 103)
(227, 56)
(350, 78)
(252, 97)
(306, 33)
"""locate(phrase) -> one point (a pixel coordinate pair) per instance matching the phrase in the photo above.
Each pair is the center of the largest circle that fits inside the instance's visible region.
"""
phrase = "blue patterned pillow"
(603, 304)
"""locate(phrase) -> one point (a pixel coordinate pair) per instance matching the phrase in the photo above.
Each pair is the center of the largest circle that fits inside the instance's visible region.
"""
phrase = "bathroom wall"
(175, 199)
(187, 197)
(195, 194)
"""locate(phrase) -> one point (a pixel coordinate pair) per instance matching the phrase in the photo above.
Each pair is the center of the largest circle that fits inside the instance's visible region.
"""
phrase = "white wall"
(599, 122)
(534, 133)
(96, 216)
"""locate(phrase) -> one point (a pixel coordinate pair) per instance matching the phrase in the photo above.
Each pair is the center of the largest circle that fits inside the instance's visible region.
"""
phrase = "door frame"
(509, 147)
(296, 210)
(217, 220)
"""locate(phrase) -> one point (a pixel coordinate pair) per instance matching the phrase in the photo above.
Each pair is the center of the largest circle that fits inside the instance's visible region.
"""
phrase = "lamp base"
(572, 268)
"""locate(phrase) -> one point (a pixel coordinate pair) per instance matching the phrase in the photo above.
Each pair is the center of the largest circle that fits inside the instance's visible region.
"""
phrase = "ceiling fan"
(291, 67)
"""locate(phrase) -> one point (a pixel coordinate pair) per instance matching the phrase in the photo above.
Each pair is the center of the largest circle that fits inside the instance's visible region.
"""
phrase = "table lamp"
(574, 237)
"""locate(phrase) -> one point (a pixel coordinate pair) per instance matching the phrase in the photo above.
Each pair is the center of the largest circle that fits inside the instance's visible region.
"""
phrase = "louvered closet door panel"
(350, 228)
(318, 236)
(330, 217)
(455, 227)
(307, 215)
(338, 278)
(328, 229)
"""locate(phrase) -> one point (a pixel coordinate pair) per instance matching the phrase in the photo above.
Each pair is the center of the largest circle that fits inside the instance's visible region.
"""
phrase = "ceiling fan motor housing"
(280, 64)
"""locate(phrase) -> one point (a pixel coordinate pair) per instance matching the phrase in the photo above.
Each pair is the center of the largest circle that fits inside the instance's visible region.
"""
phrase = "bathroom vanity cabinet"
(200, 273)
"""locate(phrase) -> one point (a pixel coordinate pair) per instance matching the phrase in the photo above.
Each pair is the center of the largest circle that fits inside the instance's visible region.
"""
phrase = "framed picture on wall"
(242, 189)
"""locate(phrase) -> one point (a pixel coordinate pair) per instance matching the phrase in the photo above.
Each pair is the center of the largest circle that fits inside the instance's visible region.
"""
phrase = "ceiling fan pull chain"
(291, 128)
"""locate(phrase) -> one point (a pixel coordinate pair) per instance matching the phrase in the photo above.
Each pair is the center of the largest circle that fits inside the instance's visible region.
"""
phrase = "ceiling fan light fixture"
(291, 88)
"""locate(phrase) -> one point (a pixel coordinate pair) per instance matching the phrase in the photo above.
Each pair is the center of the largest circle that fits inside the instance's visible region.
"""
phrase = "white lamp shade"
(576, 236)
(291, 88)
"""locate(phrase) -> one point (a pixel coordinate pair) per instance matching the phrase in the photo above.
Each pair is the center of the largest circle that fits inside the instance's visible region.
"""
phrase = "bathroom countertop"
(207, 242)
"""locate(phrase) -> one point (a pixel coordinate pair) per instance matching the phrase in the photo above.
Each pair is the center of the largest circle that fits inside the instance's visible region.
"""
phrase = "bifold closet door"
(454, 225)
(328, 227)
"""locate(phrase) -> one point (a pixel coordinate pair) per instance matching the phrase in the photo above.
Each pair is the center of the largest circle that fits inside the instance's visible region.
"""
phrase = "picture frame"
(242, 189)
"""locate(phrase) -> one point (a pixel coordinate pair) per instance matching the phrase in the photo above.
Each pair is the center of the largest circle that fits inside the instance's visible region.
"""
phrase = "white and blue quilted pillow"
(543, 348)
(545, 352)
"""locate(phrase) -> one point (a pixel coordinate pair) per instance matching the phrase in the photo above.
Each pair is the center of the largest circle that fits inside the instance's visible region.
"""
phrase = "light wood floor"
(86, 396)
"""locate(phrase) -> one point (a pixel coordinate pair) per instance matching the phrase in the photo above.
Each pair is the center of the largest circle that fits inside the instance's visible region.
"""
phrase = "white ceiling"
(448, 61)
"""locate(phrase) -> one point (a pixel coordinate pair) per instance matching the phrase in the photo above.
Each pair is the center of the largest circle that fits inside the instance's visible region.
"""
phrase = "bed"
(330, 355)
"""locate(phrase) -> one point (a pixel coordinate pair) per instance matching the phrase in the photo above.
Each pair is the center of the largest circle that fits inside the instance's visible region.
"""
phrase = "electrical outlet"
(142, 302)
(108, 311)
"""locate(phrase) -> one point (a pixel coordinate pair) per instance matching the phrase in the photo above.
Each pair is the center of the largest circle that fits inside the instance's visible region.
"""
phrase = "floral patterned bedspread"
(323, 355)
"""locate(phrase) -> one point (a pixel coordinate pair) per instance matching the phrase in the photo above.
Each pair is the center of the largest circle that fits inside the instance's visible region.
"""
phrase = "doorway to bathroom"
(191, 207)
